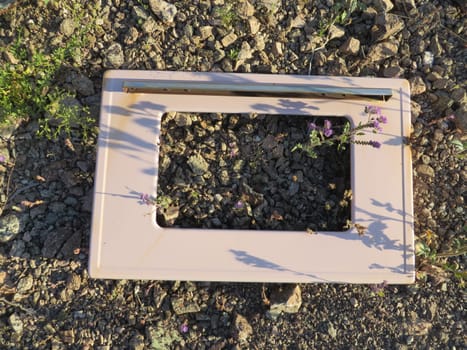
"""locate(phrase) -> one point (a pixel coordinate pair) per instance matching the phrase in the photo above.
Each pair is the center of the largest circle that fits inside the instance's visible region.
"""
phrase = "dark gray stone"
(385, 26)
(383, 50)
(9, 227)
(182, 306)
(114, 56)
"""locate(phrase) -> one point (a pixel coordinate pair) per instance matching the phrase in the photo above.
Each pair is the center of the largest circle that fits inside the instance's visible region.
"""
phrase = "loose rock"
(425, 170)
(25, 284)
(351, 46)
(114, 56)
(229, 39)
(332, 331)
(382, 51)
(254, 25)
(385, 26)
(286, 299)
(9, 227)
(182, 306)
(244, 54)
(245, 9)
(164, 10)
(182, 119)
(198, 164)
(393, 72)
(271, 5)
(83, 85)
(417, 86)
(428, 58)
(242, 329)
(16, 323)
(383, 5)
(335, 32)
(67, 27)
(407, 5)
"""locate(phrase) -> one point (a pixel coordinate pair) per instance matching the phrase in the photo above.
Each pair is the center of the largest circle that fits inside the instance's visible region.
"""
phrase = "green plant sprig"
(439, 259)
(340, 13)
(28, 90)
(325, 135)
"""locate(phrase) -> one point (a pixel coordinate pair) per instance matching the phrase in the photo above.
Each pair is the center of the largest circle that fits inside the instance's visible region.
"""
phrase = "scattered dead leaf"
(264, 297)
(419, 327)
(429, 236)
(28, 204)
(360, 229)
(438, 274)
(69, 145)
(40, 178)
(276, 216)
(280, 137)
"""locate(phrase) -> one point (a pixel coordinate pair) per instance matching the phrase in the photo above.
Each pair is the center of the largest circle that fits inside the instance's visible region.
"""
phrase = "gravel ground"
(48, 301)
(248, 177)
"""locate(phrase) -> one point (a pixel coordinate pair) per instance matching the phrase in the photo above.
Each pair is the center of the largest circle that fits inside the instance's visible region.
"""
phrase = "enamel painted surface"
(127, 243)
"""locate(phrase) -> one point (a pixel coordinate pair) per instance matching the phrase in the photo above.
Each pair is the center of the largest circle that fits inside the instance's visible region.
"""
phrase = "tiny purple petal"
(184, 328)
(375, 144)
(328, 132)
(311, 126)
(377, 126)
(2, 159)
(239, 205)
(383, 119)
(146, 198)
(373, 110)
(327, 124)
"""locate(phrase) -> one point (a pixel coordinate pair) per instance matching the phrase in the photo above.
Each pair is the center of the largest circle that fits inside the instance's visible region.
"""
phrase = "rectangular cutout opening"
(239, 171)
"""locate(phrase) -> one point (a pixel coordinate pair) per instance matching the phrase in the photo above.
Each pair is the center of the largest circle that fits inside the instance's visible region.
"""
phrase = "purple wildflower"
(145, 198)
(382, 119)
(239, 205)
(377, 126)
(184, 328)
(327, 131)
(373, 110)
(375, 144)
(2, 158)
(311, 126)
(233, 150)
(379, 288)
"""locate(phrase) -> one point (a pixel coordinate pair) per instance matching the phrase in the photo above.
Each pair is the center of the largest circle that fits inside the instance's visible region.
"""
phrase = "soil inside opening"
(238, 171)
